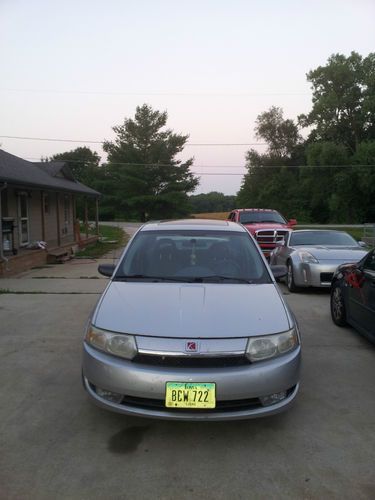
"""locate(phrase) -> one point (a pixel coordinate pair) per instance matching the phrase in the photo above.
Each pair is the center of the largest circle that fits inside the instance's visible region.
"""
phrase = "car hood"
(264, 225)
(342, 254)
(191, 310)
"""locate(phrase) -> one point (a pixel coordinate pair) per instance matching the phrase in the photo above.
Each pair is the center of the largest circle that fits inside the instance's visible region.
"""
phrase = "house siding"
(50, 218)
(35, 217)
(35, 221)
(66, 229)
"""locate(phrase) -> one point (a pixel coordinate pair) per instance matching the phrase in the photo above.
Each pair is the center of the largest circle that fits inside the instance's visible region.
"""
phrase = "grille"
(326, 277)
(191, 361)
(221, 406)
(270, 236)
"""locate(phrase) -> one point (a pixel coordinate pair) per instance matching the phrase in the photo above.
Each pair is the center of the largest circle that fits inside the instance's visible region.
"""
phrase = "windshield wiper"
(182, 279)
(219, 277)
(126, 277)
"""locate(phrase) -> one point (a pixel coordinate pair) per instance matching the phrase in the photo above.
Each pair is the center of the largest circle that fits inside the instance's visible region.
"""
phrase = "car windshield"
(261, 216)
(326, 238)
(193, 256)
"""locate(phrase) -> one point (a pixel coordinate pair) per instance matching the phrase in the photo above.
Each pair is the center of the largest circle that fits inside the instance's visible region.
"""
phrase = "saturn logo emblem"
(191, 346)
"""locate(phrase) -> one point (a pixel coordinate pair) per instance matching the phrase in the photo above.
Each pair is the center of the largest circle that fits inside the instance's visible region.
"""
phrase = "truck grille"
(269, 236)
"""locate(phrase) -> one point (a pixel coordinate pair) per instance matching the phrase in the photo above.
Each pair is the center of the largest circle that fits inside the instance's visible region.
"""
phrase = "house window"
(23, 218)
(4, 203)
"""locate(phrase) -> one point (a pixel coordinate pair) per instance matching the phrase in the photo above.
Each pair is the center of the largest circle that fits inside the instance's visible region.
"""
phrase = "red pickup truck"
(266, 225)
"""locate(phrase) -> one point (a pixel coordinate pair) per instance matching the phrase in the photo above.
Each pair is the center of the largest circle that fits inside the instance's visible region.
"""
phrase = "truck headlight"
(118, 344)
(271, 346)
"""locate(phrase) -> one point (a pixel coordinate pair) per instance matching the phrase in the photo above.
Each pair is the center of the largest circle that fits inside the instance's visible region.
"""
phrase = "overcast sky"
(74, 69)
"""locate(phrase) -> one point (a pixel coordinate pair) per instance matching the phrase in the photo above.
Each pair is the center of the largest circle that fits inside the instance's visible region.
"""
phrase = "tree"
(343, 100)
(82, 162)
(144, 177)
(84, 165)
(271, 179)
(281, 135)
(319, 182)
(212, 202)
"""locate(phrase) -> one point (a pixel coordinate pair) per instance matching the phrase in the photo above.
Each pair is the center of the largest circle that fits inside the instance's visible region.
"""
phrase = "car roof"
(254, 210)
(194, 224)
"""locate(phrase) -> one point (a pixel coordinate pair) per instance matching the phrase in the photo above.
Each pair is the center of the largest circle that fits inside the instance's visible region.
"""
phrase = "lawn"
(111, 238)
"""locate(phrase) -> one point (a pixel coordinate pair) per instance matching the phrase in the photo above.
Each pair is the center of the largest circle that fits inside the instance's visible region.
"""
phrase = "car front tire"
(290, 279)
(338, 311)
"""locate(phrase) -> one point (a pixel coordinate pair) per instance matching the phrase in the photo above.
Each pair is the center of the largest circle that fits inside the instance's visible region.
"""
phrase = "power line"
(84, 160)
(47, 139)
(165, 94)
(50, 139)
(135, 164)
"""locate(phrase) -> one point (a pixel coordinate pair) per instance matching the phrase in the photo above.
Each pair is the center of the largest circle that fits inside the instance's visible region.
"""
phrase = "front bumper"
(314, 275)
(143, 386)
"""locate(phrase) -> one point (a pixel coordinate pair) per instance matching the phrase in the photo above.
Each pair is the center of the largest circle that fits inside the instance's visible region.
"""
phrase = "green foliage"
(84, 165)
(272, 179)
(343, 100)
(143, 178)
(281, 135)
(331, 182)
(212, 202)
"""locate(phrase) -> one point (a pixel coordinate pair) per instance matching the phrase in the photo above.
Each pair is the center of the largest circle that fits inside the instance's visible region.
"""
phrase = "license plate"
(194, 395)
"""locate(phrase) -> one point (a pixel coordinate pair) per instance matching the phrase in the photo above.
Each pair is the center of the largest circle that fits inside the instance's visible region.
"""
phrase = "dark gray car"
(353, 296)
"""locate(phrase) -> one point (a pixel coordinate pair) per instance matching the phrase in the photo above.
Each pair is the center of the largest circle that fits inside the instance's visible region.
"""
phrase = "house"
(38, 213)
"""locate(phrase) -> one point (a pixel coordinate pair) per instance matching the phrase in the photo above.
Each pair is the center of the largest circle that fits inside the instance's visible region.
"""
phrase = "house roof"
(54, 175)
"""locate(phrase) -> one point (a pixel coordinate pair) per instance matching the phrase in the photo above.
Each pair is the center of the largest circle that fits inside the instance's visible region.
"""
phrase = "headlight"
(270, 346)
(307, 257)
(118, 344)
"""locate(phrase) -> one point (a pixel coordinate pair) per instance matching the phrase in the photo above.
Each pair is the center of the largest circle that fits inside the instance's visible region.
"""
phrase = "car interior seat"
(164, 260)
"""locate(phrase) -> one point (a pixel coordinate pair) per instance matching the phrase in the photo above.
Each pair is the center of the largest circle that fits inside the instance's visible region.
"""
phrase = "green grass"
(100, 248)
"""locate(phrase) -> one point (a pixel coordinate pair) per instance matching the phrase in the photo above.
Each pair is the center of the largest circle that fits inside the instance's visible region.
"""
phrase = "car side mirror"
(106, 269)
(279, 271)
(292, 222)
(362, 244)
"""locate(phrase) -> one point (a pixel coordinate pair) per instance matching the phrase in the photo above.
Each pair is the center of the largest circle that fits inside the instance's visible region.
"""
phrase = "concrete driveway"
(54, 444)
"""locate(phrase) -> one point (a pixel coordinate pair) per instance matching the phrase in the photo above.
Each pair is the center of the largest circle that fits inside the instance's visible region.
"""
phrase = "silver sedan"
(192, 327)
(312, 256)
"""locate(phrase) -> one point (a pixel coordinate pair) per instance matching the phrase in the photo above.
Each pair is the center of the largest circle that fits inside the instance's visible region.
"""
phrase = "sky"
(74, 69)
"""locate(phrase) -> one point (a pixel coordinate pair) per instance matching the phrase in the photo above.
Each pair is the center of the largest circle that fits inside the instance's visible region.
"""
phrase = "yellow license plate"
(190, 395)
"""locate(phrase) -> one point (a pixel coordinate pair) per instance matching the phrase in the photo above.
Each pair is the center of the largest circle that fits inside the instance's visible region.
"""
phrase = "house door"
(23, 219)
